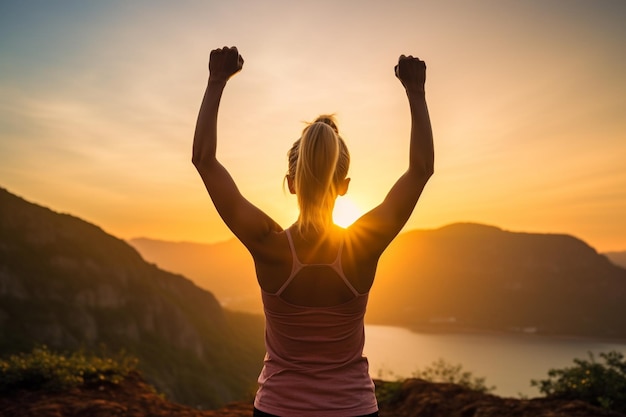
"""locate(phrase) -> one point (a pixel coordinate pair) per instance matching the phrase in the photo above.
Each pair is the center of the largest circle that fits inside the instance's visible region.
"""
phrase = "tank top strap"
(296, 265)
(337, 261)
(339, 270)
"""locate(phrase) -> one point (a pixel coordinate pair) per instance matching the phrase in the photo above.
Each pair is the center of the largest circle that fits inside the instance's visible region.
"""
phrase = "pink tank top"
(314, 365)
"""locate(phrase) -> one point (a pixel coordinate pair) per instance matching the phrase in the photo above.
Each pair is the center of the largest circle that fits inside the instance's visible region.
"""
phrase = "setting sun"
(346, 212)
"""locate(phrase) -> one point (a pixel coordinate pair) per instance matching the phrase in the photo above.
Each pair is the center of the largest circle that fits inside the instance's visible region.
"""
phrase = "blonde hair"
(318, 161)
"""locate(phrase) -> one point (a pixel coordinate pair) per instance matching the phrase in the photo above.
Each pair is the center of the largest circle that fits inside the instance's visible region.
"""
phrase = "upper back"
(314, 272)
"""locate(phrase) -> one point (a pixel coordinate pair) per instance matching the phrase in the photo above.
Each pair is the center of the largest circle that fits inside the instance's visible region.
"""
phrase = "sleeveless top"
(314, 365)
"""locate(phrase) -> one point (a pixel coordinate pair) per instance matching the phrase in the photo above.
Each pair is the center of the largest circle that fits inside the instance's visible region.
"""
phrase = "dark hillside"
(207, 265)
(68, 284)
(618, 258)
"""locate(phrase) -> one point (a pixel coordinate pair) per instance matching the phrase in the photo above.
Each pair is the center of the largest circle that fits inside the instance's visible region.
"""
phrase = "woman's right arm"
(247, 222)
(377, 228)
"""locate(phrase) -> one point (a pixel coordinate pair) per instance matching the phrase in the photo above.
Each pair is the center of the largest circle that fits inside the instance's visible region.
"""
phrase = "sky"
(98, 103)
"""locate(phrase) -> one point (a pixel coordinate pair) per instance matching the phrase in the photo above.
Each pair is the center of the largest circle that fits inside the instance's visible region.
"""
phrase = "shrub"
(442, 371)
(46, 370)
(600, 384)
(388, 392)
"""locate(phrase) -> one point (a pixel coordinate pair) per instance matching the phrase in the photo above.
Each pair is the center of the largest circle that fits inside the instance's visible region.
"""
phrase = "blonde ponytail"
(318, 161)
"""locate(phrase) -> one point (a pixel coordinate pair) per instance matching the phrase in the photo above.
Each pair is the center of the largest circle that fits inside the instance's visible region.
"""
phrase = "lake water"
(508, 362)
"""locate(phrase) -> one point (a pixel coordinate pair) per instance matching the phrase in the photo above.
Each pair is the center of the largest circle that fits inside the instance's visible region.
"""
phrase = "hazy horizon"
(233, 238)
(98, 103)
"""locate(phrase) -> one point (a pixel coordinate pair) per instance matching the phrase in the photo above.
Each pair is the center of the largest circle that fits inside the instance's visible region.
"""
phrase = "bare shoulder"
(370, 235)
(272, 261)
(272, 248)
(359, 261)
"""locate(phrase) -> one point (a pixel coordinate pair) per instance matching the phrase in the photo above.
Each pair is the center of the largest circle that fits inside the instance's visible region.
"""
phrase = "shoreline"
(465, 330)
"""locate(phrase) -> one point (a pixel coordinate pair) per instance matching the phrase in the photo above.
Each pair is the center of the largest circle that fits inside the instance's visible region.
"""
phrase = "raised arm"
(246, 221)
(378, 227)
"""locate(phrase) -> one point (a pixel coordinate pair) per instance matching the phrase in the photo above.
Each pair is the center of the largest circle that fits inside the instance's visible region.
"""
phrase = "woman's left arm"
(246, 221)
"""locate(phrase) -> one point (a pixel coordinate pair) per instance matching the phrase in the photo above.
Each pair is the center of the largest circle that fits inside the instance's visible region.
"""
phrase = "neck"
(320, 232)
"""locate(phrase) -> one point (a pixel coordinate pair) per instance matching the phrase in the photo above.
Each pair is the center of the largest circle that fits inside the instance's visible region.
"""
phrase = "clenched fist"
(224, 63)
(411, 72)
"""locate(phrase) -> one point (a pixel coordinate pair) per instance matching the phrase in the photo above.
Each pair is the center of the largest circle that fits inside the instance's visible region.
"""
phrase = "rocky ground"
(414, 398)
(419, 398)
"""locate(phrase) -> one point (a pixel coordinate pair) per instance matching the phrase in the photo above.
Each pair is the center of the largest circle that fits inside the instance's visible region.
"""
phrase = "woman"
(314, 276)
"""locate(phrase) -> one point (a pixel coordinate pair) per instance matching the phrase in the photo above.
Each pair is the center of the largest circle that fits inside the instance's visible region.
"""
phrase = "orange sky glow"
(98, 104)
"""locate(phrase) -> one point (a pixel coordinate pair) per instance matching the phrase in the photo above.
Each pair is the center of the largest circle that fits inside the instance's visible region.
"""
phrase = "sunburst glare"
(346, 212)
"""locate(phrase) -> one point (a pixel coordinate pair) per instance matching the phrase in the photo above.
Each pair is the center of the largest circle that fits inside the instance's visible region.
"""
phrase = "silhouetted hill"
(618, 258)
(68, 284)
(469, 276)
(414, 398)
(457, 278)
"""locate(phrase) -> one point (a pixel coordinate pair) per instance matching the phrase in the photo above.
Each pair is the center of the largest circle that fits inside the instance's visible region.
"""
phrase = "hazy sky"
(98, 103)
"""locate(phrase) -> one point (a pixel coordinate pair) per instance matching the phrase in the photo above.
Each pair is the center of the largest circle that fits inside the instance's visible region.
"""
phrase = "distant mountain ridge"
(461, 277)
(618, 258)
(470, 276)
(68, 284)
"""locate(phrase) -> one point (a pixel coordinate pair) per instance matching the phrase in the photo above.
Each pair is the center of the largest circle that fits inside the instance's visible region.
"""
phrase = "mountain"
(618, 258)
(469, 276)
(411, 398)
(67, 284)
(462, 277)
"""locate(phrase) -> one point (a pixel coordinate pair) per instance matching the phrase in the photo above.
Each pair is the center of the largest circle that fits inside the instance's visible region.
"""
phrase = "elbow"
(430, 170)
(195, 160)
(199, 162)
(203, 163)
(198, 159)
(427, 167)
(423, 172)
(202, 156)
(426, 174)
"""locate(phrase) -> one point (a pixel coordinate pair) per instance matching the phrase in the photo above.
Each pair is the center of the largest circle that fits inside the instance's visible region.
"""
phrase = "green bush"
(46, 370)
(600, 384)
(442, 371)
(388, 392)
